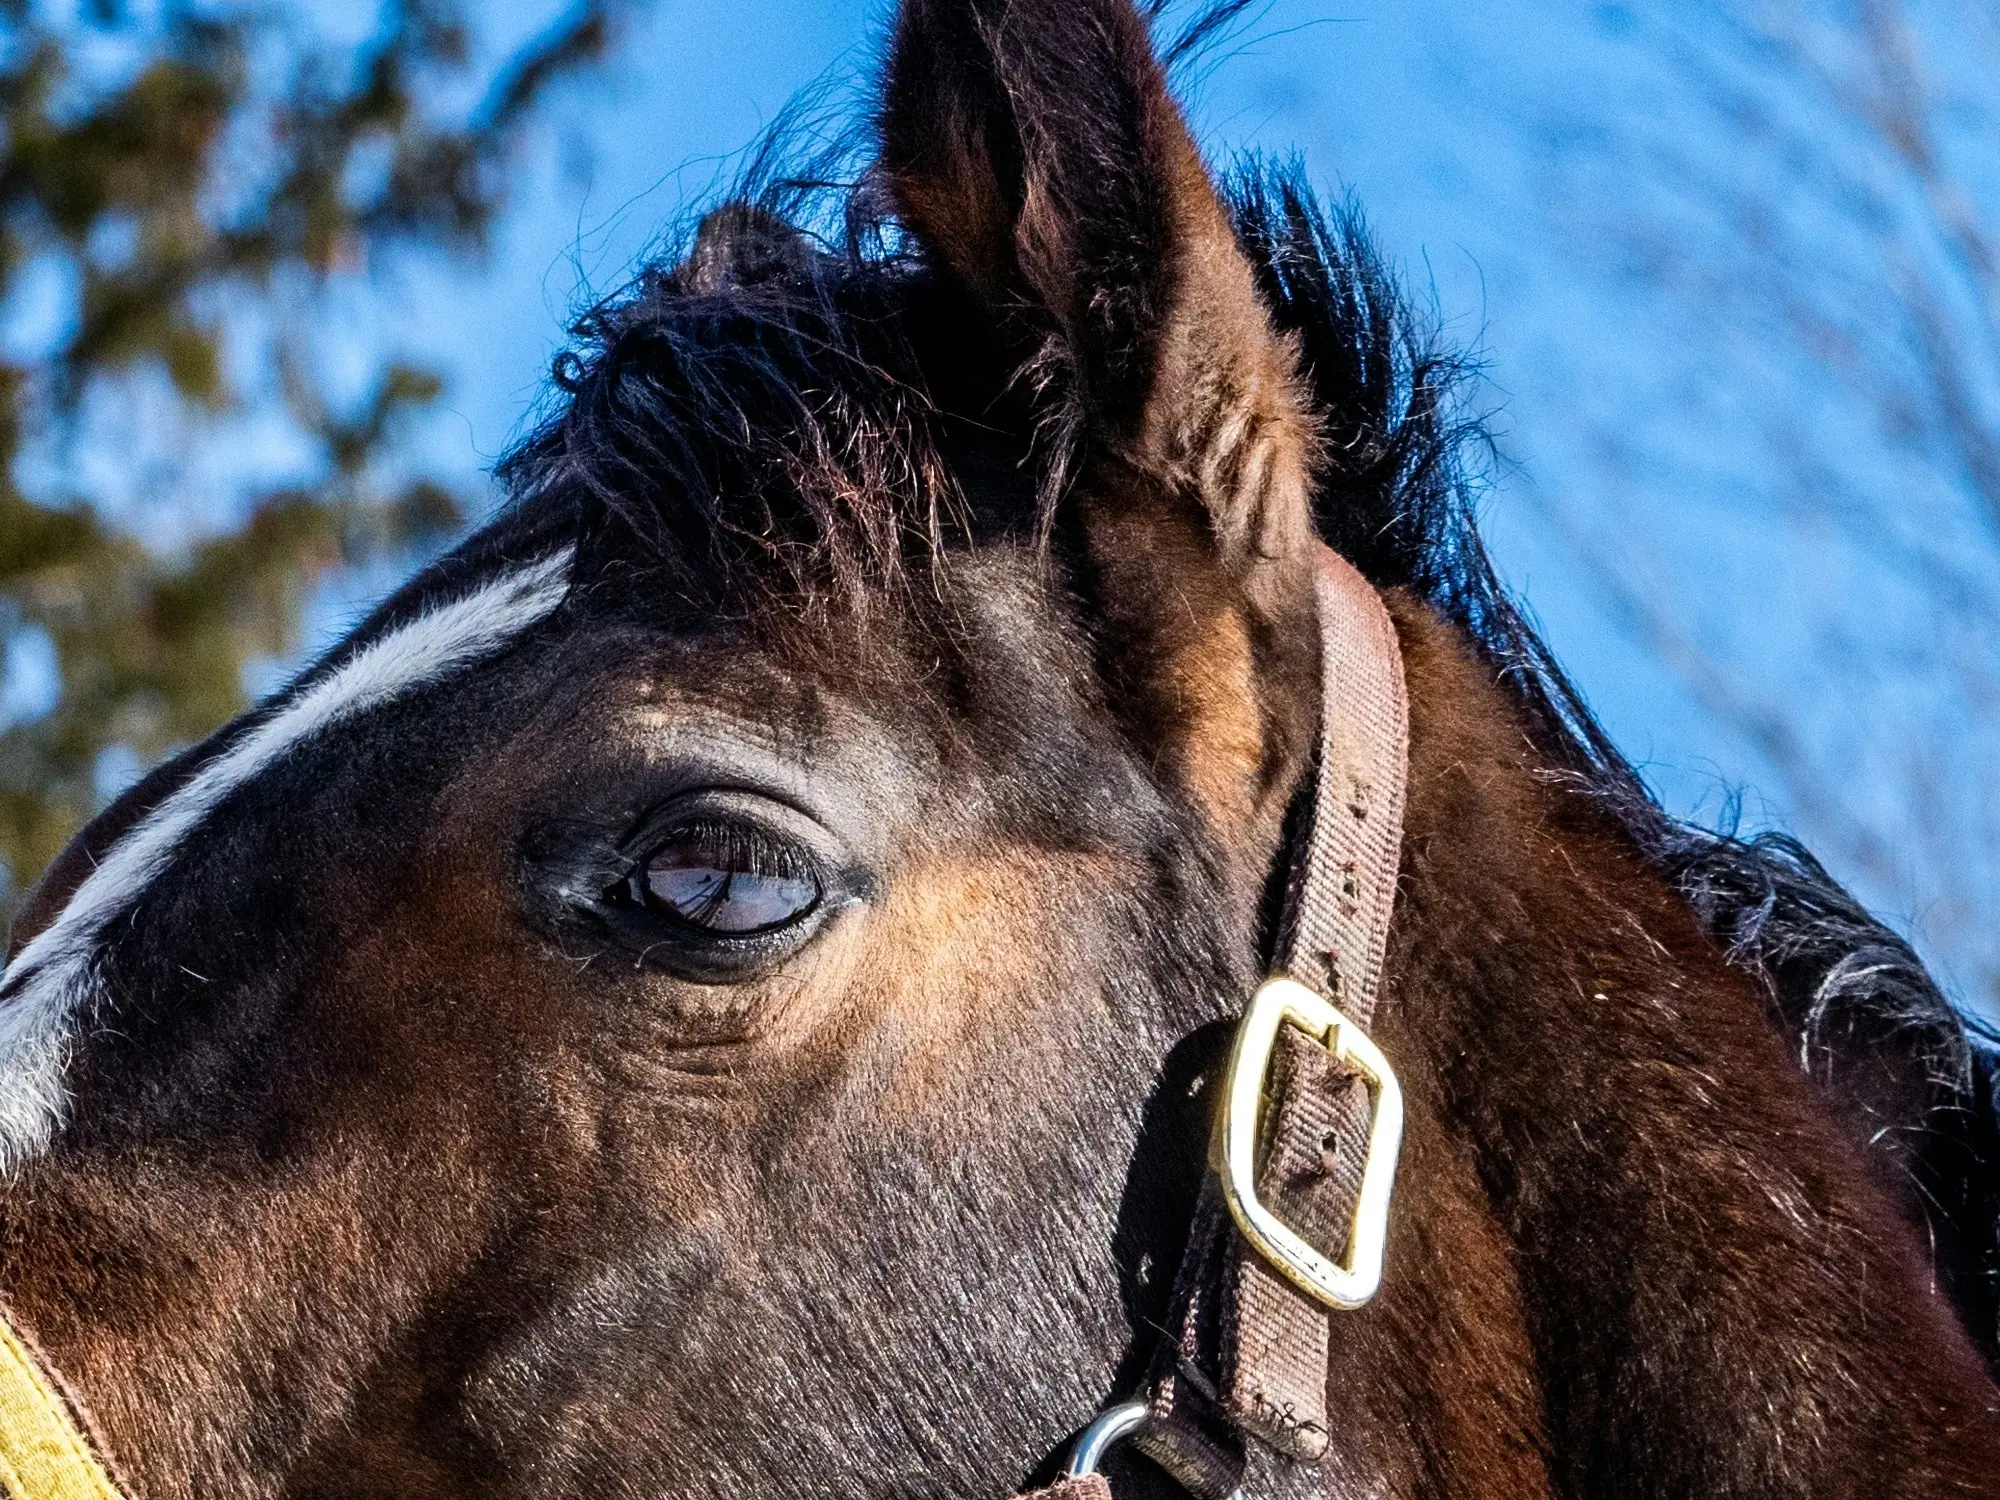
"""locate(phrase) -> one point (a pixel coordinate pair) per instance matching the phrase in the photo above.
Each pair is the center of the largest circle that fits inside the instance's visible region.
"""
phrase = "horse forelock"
(47, 990)
(766, 445)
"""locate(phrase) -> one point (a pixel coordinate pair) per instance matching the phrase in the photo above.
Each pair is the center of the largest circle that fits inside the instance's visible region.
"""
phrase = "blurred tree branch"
(1820, 224)
(217, 174)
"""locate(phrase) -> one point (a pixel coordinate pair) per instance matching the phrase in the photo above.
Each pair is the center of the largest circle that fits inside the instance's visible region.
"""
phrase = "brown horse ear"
(1033, 151)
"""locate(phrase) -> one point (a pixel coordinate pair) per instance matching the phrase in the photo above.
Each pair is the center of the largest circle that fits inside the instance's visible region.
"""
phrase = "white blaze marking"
(49, 984)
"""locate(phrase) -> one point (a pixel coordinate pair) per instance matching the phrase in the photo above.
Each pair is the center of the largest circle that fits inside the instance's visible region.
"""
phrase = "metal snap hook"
(1113, 1425)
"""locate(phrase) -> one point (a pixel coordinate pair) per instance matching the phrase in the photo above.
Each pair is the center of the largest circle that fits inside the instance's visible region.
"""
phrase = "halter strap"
(44, 1451)
(1250, 1342)
(1344, 889)
(1321, 1125)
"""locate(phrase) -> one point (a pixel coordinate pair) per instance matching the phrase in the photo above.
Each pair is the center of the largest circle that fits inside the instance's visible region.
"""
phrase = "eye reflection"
(728, 879)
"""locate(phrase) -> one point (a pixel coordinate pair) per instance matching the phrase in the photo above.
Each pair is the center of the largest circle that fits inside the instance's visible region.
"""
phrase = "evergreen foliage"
(195, 182)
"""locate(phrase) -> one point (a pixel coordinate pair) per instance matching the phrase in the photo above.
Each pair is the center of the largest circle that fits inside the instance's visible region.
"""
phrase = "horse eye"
(727, 879)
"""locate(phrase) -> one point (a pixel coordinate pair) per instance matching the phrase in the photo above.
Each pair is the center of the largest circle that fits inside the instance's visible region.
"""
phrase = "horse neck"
(1628, 1227)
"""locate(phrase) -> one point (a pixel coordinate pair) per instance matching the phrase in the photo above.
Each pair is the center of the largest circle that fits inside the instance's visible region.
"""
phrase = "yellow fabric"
(43, 1454)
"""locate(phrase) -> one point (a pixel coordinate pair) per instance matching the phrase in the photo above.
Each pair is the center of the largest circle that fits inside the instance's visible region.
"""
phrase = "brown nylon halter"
(1238, 1397)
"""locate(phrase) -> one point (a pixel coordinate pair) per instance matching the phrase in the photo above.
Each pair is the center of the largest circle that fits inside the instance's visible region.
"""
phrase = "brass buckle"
(1338, 1284)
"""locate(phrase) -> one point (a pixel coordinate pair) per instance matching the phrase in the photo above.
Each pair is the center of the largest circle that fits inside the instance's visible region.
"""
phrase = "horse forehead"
(925, 715)
(877, 727)
(980, 634)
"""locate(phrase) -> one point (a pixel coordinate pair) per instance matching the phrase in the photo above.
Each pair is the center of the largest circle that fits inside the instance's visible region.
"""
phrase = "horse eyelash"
(732, 845)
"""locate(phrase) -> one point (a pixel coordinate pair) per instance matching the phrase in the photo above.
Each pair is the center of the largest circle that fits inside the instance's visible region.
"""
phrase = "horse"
(722, 983)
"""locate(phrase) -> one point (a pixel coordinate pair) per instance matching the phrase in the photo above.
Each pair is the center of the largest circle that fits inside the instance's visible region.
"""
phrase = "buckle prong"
(1350, 1282)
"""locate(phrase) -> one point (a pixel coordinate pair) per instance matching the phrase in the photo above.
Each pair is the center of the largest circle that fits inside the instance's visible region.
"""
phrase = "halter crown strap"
(1293, 1223)
(44, 1452)
(1344, 896)
(1323, 1125)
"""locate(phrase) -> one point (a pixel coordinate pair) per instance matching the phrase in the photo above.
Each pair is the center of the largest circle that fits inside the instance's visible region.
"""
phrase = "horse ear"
(1033, 151)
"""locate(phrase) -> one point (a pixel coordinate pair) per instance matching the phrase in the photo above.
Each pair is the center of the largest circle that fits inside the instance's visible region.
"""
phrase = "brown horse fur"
(404, 1156)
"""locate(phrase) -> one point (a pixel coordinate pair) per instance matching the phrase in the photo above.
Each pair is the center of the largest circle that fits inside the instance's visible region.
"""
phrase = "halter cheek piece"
(1293, 1220)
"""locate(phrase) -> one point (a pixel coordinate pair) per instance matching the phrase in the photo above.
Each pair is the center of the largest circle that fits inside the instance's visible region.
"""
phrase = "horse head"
(718, 986)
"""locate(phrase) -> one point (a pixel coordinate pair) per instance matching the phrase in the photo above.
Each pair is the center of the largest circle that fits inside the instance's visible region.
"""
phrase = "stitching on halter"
(52, 978)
